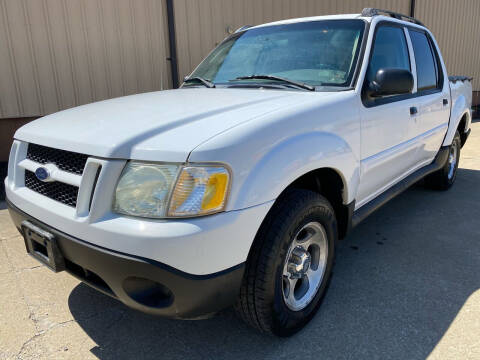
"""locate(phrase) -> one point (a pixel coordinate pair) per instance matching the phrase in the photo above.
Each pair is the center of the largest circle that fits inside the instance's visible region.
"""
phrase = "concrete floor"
(406, 286)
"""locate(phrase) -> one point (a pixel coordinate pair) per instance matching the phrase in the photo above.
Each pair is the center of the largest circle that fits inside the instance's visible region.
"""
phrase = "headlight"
(199, 191)
(144, 189)
(166, 190)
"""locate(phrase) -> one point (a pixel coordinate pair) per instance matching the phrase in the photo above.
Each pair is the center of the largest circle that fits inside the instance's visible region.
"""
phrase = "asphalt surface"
(406, 286)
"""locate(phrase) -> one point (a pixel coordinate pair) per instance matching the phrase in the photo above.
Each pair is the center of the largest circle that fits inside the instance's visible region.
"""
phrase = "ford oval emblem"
(42, 174)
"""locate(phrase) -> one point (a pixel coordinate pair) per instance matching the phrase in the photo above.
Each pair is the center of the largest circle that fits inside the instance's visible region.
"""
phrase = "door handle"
(445, 102)
(413, 110)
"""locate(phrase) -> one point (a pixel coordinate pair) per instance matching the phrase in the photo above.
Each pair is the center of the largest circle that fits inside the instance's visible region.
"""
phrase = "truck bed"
(461, 98)
(461, 85)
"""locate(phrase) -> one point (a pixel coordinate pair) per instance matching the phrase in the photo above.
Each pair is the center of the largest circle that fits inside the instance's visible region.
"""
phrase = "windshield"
(319, 53)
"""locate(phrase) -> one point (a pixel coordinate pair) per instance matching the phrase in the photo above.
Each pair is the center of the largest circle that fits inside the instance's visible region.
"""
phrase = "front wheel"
(290, 264)
(444, 178)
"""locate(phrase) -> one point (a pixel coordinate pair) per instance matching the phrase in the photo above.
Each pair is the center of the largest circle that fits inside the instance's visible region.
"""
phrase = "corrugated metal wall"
(56, 54)
(202, 24)
(456, 26)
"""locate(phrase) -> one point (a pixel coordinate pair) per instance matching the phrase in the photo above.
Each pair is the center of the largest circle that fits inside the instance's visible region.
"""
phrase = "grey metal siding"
(201, 25)
(456, 26)
(61, 53)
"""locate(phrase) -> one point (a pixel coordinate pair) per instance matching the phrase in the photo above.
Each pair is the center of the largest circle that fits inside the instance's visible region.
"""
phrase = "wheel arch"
(331, 184)
(460, 116)
(463, 127)
(288, 161)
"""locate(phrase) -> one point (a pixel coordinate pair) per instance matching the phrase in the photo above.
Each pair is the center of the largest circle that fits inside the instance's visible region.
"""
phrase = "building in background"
(57, 54)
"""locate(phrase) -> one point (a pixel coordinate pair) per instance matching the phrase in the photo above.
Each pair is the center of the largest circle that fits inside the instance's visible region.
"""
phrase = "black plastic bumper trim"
(464, 136)
(194, 296)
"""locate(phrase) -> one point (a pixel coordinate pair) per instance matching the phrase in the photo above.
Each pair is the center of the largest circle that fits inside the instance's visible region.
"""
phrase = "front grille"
(65, 160)
(64, 193)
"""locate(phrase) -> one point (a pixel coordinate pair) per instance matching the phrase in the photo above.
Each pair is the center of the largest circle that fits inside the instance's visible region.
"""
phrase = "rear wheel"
(290, 264)
(444, 178)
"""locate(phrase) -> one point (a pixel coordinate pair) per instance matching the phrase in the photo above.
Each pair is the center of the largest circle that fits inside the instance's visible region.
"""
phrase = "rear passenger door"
(433, 94)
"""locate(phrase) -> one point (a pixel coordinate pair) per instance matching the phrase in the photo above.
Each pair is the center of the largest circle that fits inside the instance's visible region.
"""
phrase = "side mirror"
(391, 82)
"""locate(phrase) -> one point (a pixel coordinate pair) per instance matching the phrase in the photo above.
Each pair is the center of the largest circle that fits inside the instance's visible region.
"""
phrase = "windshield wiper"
(203, 81)
(278, 78)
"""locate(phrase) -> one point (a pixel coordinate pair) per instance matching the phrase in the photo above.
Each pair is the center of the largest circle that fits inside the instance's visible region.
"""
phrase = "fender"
(290, 159)
(268, 153)
(459, 109)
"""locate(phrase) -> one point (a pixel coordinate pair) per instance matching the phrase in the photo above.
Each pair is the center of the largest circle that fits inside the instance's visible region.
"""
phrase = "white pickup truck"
(234, 189)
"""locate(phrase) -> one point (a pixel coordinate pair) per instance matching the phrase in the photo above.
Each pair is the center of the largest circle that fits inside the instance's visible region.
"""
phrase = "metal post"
(412, 8)
(173, 43)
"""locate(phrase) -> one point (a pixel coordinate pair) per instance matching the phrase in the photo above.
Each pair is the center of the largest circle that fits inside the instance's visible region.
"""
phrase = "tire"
(444, 178)
(304, 217)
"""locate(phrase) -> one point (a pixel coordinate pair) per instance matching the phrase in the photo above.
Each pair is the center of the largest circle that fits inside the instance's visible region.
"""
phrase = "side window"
(427, 72)
(390, 50)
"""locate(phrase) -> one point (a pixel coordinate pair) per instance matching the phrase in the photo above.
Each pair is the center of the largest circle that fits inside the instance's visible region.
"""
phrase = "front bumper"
(140, 283)
(200, 246)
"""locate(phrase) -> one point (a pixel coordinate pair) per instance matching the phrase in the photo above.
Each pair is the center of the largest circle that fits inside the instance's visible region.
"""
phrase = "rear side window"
(389, 51)
(427, 71)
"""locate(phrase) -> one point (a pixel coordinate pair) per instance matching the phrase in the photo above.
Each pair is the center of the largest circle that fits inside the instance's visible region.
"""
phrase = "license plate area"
(43, 246)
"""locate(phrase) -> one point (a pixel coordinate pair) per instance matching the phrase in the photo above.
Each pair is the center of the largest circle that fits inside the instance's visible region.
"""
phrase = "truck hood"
(157, 126)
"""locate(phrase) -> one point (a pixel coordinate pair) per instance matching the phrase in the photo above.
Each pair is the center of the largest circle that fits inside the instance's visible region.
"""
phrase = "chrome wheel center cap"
(299, 263)
(304, 266)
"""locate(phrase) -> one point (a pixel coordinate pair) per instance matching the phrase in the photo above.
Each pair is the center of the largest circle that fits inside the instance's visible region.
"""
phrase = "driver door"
(387, 150)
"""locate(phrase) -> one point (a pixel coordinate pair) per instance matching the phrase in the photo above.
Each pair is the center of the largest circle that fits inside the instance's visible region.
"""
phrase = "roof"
(368, 14)
(313, 18)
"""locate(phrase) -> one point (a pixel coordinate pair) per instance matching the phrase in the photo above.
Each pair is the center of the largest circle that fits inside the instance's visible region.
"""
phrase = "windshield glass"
(316, 53)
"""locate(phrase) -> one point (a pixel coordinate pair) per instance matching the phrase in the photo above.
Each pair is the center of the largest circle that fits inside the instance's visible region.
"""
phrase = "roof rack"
(370, 12)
